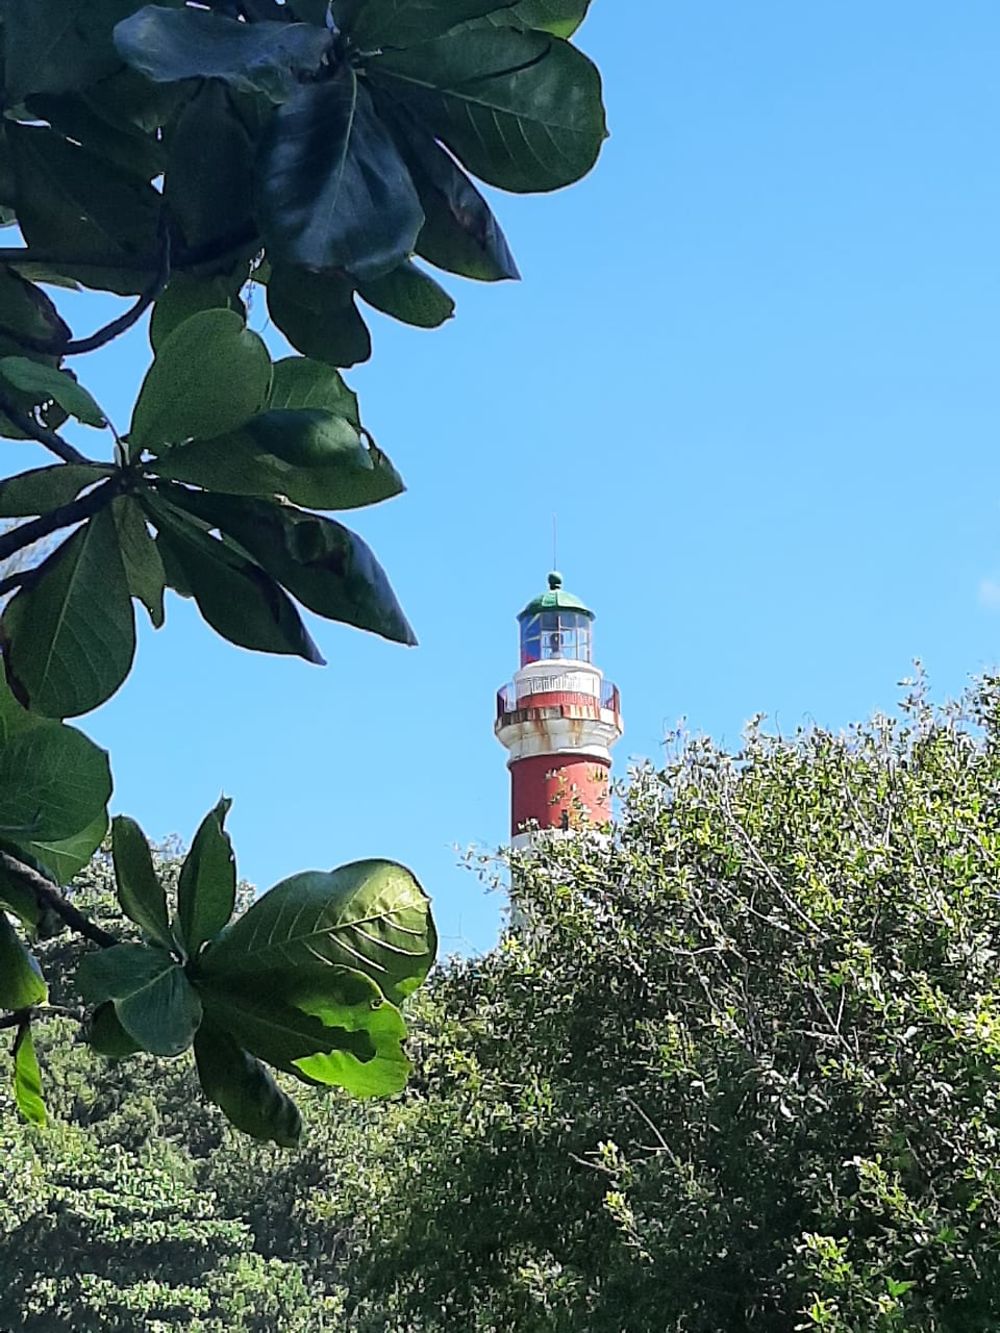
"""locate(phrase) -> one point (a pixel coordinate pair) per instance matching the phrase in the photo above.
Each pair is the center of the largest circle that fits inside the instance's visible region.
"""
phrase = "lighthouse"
(558, 721)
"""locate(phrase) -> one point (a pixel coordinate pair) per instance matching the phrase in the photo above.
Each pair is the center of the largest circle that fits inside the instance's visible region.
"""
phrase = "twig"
(25, 534)
(44, 1011)
(123, 323)
(41, 434)
(47, 895)
(12, 581)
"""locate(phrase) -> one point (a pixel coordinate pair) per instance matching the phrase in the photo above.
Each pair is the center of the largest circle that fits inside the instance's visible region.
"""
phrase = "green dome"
(556, 599)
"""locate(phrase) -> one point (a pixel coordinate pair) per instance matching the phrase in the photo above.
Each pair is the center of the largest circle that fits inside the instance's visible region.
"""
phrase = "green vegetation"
(739, 1071)
(186, 155)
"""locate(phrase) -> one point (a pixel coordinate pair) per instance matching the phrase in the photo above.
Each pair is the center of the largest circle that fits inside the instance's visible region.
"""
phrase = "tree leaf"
(323, 565)
(50, 382)
(559, 17)
(206, 890)
(21, 982)
(395, 23)
(70, 632)
(209, 178)
(328, 1025)
(144, 571)
(244, 1090)
(410, 295)
(521, 110)
(334, 192)
(27, 312)
(153, 999)
(209, 376)
(235, 596)
(66, 857)
(28, 1078)
(74, 203)
(317, 314)
(107, 1036)
(140, 893)
(272, 58)
(313, 457)
(298, 382)
(185, 296)
(90, 119)
(371, 916)
(54, 46)
(46, 488)
(460, 233)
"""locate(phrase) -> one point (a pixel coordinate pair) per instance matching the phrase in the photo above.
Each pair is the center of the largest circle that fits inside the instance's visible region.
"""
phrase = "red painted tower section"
(558, 720)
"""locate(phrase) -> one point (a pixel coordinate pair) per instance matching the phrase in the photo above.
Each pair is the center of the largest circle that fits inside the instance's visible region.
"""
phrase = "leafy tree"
(182, 154)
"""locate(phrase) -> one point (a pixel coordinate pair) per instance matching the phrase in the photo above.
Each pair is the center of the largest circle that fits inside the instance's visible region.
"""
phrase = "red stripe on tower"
(558, 721)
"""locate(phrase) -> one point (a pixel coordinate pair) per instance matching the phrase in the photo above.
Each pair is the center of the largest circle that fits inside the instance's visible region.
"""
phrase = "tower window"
(556, 635)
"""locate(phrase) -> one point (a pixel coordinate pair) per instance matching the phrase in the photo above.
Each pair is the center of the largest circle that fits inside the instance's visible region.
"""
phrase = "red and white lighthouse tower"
(559, 720)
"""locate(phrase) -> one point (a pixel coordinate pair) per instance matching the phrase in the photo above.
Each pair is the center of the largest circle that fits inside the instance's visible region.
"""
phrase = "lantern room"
(556, 627)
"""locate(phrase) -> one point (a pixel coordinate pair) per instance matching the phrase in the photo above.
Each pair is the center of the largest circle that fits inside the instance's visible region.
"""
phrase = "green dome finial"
(556, 598)
(555, 580)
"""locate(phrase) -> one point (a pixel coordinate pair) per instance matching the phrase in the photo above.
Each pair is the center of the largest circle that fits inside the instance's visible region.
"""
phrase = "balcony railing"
(507, 700)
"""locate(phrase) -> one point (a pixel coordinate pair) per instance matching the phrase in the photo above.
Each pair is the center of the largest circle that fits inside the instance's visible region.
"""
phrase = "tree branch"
(42, 1011)
(183, 258)
(27, 425)
(123, 323)
(47, 895)
(25, 534)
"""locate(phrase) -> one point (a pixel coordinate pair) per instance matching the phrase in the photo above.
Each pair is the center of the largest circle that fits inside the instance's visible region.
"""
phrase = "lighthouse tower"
(558, 720)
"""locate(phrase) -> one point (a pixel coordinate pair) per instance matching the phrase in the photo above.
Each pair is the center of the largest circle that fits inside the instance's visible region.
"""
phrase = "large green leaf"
(522, 110)
(144, 571)
(73, 203)
(54, 46)
(317, 314)
(206, 889)
(299, 382)
(209, 178)
(371, 916)
(460, 233)
(21, 982)
(559, 17)
(54, 781)
(41, 381)
(47, 488)
(327, 1025)
(27, 1078)
(324, 565)
(154, 1001)
(26, 311)
(70, 632)
(244, 1090)
(394, 23)
(140, 893)
(91, 119)
(209, 376)
(64, 858)
(334, 192)
(186, 295)
(313, 457)
(272, 58)
(410, 295)
(235, 596)
(107, 1036)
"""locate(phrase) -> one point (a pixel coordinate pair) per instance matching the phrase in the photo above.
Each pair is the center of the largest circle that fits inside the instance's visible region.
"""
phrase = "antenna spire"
(555, 541)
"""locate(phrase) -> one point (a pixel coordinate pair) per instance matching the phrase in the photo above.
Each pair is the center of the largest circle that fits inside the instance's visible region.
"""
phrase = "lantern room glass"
(556, 635)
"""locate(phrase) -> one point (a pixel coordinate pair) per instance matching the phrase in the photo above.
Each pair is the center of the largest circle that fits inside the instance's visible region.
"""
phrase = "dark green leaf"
(28, 1078)
(299, 382)
(326, 1025)
(107, 1036)
(26, 311)
(521, 110)
(66, 857)
(47, 488)
(324, 565)
(140, 893)
(334, 192)
(144, 571)
(43, 382)
(272, 58)
(312, 457)
(21, 982)
(460, 233)
(209, 177)
(206, 890)
(153, 999)
(317, 314)
(244, 1090)
(16, 897)
(70, 633)
(410, 295)
(72, 202)
(54, 46)
(237, 598)
(372, 917)
(559, 17)
(395, 23)
(209, 376)
(90, 120)
(185, 296)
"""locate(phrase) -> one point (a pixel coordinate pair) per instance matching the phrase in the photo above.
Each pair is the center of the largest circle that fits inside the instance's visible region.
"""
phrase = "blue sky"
(753, 366)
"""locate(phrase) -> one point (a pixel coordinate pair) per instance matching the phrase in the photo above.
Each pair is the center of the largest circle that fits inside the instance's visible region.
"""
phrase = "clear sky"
(753, 366)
